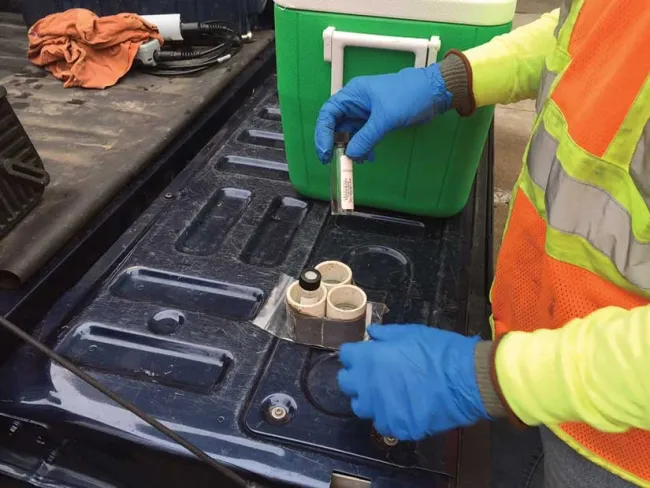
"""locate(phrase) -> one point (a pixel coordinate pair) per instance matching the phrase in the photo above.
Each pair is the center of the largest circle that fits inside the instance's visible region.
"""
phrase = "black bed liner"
(93, 142)
(212, 247)
(113, 212)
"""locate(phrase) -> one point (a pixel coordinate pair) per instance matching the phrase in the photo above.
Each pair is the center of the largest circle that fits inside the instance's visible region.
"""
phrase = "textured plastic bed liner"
(92, 142)
(165, 318)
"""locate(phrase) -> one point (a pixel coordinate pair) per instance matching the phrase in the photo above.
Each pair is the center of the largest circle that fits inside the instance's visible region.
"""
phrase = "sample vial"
(309, 283)
(341, 177)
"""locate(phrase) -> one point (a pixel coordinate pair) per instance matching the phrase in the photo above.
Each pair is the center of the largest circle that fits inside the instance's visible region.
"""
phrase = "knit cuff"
(488, 383)
(491, 400)
(457, 73)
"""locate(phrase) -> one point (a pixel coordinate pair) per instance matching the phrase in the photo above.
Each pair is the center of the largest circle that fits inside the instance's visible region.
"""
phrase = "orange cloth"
(85, 50)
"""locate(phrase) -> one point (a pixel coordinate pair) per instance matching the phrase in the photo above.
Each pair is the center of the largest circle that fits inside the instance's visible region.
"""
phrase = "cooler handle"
(335, 42)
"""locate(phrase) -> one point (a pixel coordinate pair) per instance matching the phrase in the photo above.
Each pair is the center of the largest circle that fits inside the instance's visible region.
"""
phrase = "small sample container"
(310, 281)
(307, 295)
(346, 302)
(341, 177)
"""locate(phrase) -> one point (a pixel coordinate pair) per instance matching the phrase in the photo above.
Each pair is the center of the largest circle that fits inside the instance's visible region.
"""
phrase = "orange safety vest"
(578, 234)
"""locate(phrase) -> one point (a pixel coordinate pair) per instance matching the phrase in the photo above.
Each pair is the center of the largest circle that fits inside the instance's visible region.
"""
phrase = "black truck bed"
(164, 320)
(94, 144)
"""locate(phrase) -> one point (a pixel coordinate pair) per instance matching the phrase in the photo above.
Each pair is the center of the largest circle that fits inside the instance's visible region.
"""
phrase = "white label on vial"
(346, 182)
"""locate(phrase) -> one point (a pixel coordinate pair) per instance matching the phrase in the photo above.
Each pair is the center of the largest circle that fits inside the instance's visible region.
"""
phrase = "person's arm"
(593, 370)
(505, 70)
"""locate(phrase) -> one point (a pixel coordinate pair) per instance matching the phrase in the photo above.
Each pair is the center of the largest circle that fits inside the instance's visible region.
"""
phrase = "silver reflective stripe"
(540, 156)
(565, 8)
(640, 165)
(578, 208)
(547, 79)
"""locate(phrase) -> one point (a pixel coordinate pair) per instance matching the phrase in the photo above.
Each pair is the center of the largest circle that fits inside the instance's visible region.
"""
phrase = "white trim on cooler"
(468, 12)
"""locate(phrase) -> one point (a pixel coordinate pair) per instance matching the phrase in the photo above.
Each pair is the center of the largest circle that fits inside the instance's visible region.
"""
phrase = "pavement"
(512, 129)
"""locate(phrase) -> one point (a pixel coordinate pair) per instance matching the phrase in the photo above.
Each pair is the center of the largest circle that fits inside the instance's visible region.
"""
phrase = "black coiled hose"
(223, 38)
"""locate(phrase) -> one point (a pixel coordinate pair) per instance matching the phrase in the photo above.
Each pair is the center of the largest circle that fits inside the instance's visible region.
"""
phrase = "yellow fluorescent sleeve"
(508, 68)
(594, 370)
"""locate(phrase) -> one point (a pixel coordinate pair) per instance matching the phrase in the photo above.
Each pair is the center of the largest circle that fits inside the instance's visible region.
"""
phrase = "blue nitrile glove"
(372, 106)
(413, 381)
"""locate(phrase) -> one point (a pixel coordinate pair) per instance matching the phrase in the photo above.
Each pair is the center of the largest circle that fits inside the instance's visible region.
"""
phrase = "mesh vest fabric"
(578, 233)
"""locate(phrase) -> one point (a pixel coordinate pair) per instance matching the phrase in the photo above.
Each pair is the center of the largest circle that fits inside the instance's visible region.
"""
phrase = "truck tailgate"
(164, 319)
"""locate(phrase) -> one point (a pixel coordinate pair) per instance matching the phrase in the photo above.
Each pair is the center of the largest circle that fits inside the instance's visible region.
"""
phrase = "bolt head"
(390, 441)
(278, 413)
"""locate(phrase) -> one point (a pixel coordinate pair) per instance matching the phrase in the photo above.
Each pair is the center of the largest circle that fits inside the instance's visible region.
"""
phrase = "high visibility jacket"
(571, 296)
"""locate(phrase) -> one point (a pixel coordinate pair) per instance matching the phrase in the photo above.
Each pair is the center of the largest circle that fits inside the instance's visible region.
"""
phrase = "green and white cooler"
(322, 44)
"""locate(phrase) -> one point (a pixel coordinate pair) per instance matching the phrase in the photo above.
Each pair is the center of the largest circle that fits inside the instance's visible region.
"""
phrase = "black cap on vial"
(310, 280)
(341, 138)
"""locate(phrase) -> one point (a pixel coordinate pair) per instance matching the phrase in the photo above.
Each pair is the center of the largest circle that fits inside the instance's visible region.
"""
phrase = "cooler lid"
(469, 12)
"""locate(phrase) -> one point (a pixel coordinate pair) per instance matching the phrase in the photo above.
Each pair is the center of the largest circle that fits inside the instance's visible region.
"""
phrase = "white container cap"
(468, 12)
